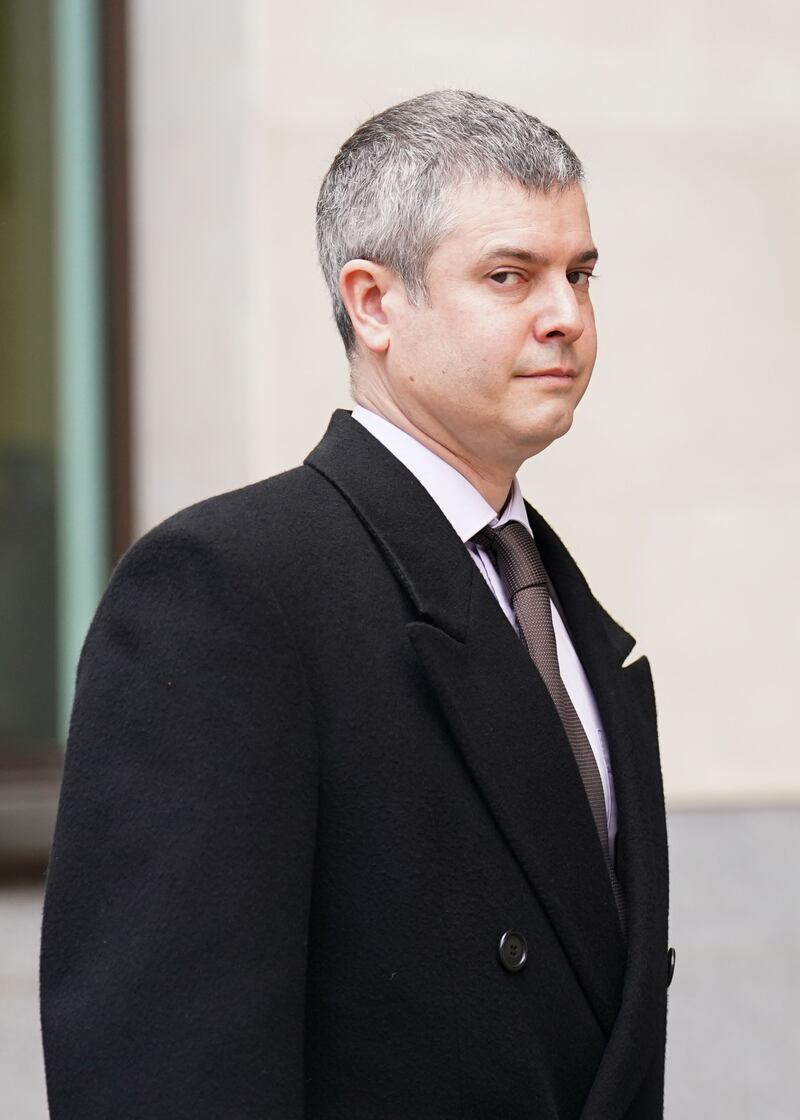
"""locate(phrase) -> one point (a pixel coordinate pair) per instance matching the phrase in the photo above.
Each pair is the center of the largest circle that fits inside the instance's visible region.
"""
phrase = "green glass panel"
(53, 515)
(28, 620)
(81, 513)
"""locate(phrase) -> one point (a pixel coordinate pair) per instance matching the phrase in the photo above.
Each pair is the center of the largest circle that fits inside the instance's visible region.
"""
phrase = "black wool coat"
(312, 778)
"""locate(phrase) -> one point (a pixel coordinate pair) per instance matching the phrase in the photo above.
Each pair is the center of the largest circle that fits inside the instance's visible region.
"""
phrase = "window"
(55, 390)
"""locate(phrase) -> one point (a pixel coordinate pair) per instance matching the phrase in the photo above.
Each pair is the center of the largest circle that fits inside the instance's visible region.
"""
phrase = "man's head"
(455, 242)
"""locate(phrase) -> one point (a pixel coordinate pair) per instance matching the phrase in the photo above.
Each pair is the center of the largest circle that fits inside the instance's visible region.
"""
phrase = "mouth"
(557, 374)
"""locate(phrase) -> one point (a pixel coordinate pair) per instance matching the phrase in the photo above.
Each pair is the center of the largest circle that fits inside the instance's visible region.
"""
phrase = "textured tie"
(521, 568)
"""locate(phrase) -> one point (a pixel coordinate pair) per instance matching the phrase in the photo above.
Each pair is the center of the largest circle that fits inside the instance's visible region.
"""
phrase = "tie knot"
(517, 555)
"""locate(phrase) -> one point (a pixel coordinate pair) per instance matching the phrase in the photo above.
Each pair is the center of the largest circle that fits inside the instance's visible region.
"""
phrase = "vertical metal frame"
(117, 263)
(81, 483)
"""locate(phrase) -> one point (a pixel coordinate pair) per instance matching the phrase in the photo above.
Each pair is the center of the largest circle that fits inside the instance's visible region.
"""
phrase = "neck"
(493, 484)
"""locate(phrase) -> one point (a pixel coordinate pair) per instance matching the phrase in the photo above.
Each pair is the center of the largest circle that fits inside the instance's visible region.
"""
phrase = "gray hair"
(385, 196)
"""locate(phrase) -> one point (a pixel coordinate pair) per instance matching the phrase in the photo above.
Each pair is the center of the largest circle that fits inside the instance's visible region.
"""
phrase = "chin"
(548, 429)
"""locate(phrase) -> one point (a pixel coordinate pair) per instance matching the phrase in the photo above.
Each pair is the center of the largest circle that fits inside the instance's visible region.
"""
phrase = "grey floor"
(734, 1034)
(734, 1039)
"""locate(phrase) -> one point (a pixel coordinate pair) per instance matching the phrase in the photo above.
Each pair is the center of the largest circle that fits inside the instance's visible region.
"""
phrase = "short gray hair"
(385, 196)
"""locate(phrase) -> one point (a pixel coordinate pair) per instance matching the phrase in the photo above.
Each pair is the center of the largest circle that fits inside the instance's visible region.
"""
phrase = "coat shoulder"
(257, 527)
(256, 512)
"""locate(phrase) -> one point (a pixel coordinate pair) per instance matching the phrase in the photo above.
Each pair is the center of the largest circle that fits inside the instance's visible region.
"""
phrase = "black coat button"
(513, 950)
(670, 966)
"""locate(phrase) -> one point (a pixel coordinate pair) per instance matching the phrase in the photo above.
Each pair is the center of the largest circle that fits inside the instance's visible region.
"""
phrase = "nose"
(559, 313)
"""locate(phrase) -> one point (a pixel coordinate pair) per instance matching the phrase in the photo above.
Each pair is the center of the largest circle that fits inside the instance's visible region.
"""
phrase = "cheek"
(590, 330)
(489, 339)
(447, 345)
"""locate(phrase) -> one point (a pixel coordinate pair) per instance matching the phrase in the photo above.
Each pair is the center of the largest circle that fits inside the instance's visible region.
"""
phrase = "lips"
(562, 372)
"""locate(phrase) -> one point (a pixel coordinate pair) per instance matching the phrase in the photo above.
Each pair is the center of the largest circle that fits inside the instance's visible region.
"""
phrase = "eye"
(506, 278)
(579, 278)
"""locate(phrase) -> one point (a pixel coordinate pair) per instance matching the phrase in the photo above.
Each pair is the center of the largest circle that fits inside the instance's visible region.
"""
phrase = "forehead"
(499, 213)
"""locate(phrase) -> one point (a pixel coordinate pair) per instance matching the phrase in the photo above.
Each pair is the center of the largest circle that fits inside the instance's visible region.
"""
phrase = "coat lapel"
(625, 701)
(498, 709)
(514, 746)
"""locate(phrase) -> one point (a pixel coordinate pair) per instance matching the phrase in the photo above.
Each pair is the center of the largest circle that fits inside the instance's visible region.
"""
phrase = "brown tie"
(521, 568)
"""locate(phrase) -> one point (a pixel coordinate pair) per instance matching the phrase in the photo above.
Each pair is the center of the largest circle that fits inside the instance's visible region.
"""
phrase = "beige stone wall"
(677, 489)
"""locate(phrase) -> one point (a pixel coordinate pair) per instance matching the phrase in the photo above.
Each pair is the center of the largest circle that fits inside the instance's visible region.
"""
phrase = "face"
(493, 364)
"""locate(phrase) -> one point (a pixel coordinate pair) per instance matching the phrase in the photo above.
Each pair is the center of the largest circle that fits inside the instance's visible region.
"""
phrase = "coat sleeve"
(178, 893)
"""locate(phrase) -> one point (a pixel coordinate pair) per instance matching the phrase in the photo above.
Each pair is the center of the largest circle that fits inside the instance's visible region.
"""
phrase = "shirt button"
(513, 950)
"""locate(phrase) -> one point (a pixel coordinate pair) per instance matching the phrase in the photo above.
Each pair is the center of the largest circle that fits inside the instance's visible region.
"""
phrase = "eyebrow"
(525, 256)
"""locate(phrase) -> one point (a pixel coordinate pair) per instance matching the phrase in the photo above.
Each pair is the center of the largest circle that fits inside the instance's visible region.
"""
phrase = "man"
(362, 814)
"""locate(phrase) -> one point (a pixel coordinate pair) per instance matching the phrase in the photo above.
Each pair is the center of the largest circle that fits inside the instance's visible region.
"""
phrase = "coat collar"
(418, 542)
(464, 507)
(497, 706)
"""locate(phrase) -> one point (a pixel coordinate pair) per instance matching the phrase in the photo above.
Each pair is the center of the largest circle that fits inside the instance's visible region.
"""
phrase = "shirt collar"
(466, 510)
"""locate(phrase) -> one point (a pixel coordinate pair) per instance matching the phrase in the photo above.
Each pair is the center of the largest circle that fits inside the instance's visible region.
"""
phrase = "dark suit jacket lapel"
(498, 708)
(624, 699)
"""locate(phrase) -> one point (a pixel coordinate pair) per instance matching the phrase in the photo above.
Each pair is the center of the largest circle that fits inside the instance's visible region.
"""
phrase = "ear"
(362, 286)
